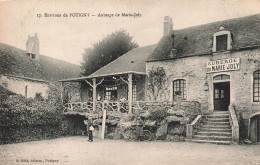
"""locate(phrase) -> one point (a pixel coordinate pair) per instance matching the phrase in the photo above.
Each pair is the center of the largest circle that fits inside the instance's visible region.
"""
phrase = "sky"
(66, 38)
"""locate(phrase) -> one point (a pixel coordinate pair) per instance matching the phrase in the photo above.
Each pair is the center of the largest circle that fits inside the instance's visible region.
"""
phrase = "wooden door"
(258, 128)
(221, 96)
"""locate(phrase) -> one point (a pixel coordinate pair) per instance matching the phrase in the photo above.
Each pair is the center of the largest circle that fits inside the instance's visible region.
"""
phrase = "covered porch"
(116, 92)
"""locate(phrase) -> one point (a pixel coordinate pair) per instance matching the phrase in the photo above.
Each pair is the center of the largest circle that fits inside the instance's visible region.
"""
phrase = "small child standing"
(90, 134)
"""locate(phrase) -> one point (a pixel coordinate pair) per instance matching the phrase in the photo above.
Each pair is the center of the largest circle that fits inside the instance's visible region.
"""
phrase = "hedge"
(17, 111)
(23, 119)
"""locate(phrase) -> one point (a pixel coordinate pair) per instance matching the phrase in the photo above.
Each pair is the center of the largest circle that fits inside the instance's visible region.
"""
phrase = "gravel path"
(77, 150)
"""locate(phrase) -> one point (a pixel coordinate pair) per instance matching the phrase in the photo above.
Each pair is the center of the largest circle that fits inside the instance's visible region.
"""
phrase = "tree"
(106, 51)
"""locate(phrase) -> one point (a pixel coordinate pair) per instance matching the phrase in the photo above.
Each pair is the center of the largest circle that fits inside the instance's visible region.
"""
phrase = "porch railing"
(137, 106)
(79, 106)
(88, 106)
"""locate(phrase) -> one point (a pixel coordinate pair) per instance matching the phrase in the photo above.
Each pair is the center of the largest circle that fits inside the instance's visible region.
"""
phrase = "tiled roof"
(13, 61)
(132, 61)
(199, 39)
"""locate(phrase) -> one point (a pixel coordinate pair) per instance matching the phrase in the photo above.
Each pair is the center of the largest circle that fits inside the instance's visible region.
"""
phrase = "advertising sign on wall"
(223, 65)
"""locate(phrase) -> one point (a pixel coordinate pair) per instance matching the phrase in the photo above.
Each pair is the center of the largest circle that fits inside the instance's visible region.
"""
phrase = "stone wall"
(190, 69)
(84, 92)
(18, 85)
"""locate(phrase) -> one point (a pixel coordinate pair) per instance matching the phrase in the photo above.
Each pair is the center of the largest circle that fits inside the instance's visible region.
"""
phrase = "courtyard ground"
(77, 150)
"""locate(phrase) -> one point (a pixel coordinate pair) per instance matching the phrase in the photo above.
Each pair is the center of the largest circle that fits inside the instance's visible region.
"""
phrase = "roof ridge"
(198, 39)
(15, 62)
(211, 23)
(39, 54)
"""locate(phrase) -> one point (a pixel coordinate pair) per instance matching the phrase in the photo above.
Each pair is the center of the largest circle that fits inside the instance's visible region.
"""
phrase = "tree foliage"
(106, 50)
(157, 84)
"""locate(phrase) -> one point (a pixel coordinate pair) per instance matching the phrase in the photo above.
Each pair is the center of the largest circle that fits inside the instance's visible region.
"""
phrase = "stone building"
(28, 73)
(216, 64)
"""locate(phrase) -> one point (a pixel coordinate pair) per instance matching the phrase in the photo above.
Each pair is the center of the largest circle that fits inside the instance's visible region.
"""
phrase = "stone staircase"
(215, 129)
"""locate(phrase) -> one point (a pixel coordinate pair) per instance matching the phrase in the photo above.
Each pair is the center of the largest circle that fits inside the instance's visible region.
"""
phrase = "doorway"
(221, 96)
(258, 128)
(255, 128)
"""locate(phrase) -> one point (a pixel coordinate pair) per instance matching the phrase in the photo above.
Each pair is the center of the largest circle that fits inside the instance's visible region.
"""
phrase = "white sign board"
(223, 65)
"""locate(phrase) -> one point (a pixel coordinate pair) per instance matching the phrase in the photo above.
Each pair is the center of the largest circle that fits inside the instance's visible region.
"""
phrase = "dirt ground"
(77, 150)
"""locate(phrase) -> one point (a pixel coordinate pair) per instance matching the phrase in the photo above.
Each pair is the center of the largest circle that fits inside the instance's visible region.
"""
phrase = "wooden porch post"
(130, 89)
(103, 128)
(94, 86)
(94, 94)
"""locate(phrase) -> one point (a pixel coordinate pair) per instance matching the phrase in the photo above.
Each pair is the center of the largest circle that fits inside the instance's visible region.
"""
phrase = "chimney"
(32, 47)
(167, 26)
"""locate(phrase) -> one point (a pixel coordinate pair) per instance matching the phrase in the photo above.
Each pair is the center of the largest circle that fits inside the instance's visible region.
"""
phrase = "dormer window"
(31, 56)
(222, 41)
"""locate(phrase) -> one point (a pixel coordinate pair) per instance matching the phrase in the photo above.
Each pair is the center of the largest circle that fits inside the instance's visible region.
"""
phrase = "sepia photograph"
(130, 82)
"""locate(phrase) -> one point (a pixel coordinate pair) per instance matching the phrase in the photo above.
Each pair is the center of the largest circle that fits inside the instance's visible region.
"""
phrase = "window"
(221, 42)
(219, 94)
(111, 93)
(179, 88)
(256, 86)
(33, 56)
(134, 93)
(221, 77)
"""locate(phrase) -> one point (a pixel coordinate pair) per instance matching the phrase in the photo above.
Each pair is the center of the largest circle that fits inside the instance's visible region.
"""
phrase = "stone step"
(209, 141)
(215, 130)
(203, 133)
(213, 137)
(216, 123)
(217, 119)
(217, 116)
(221, 112)
(216, 126)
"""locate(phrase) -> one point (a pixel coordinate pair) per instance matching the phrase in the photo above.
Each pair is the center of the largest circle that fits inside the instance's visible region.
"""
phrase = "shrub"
(177, 129)
(39, 97)
(159, 113)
